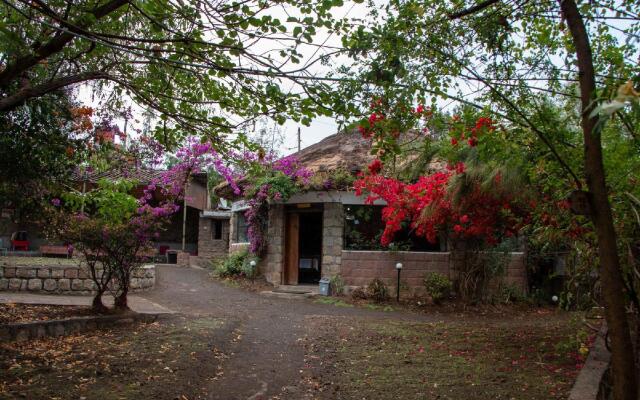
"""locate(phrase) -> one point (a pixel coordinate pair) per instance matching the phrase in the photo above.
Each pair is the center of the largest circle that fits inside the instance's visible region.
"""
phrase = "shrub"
(437, 286)
(359, 294)
(511, 294)
(337, 284)
(378, 291)
(236, 264)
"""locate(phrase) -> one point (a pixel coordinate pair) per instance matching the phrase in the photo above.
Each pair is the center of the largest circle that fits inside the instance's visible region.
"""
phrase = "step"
(288, 295)
(297, 289)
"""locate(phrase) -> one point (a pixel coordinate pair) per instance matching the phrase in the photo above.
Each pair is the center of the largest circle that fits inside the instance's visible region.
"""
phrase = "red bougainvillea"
(428, 207)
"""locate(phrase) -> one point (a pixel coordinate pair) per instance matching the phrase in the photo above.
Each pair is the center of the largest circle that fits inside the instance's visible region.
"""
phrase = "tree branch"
(471, 10)
(26, 93)
(55, 45)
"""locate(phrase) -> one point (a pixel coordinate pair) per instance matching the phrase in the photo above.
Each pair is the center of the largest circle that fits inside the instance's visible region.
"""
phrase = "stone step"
(297, 289)
(289, 295)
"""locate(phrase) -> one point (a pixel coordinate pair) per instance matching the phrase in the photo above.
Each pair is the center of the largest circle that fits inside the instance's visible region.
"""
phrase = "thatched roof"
(343, 150)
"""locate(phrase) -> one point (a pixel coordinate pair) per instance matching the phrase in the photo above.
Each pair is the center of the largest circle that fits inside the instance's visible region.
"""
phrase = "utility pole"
(299, 141)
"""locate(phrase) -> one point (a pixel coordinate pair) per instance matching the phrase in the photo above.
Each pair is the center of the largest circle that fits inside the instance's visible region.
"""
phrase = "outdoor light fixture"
(252, 264)
(398, 268)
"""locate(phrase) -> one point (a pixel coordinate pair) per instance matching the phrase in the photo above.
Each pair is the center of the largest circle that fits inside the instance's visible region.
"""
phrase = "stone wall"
(63, 279)
(273, 264)
(360, 267)
(209, 248)
(332, 238)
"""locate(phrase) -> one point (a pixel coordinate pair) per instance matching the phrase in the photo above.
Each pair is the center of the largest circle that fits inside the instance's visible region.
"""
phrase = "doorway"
(303, 245)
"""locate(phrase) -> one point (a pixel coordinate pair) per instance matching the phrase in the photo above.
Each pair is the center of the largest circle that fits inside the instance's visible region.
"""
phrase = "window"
(216, 229)
(241, 235)
(364, 226)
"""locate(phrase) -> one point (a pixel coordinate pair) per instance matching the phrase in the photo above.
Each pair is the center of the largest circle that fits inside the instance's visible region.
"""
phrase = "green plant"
(437, 286)
(236, 264)
(358, 294)
(337, 284)
(378, 291)
(334, 302)
(509, 293)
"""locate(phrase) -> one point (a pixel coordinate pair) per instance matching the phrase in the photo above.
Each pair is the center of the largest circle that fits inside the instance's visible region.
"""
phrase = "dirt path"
(266, 356)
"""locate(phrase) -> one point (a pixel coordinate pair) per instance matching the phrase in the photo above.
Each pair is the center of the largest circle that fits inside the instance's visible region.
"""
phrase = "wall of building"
(272, 265)
(197, 195)
(361, 267)
(332, 239)
(209, 248)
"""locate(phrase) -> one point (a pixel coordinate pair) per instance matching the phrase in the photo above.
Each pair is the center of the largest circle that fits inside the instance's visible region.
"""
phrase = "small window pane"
(241, 228)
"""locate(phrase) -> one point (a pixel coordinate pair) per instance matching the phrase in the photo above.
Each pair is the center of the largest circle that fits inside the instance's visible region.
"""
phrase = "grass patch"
(333, 301)
(378, 307)
(458, 359)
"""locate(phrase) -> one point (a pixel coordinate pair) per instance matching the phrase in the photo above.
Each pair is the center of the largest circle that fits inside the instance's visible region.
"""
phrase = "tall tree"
(496, 55)
(205, 66)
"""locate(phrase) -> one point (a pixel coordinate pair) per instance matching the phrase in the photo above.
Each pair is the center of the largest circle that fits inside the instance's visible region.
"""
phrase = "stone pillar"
(273, 260)
(332, 238)
(233, 221)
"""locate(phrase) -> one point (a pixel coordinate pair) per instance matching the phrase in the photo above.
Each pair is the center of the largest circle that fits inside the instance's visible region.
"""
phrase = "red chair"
(19, 241)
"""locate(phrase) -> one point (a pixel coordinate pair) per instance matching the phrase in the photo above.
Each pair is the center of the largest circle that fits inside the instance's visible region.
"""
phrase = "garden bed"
(11, 313)
(167, 359)
(534, 356)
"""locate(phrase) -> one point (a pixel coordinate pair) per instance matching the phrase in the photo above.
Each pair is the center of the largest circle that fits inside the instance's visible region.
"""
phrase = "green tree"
(206, 66)
(497, 56)
(39, 146)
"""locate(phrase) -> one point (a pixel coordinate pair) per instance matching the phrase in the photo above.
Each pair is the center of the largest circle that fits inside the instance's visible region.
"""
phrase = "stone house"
(329, 231)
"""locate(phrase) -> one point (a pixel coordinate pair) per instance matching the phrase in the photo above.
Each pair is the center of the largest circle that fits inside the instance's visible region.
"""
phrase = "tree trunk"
(622, 357)
(120, 302)
(97, 305)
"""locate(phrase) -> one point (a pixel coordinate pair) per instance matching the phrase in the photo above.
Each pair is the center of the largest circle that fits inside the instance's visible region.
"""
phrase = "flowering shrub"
(387, 121)
(276, 181)
(114, 230)
(460, 133)
(448, 201)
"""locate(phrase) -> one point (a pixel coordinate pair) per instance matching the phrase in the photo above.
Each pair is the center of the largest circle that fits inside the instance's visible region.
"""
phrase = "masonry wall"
(272, 265)
(210, 249)
(360, 267)
(332, 238)
(63, 279)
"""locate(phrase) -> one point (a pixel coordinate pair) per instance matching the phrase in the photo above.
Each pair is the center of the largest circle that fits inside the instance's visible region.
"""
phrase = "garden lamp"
(252, 264)
(398, 268)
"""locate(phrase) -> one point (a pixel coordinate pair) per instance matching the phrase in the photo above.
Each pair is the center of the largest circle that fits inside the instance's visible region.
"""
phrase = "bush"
(378, 291)
(511, 294)
(437, 286)
(236, 264)
(359, 294)
(337, 284)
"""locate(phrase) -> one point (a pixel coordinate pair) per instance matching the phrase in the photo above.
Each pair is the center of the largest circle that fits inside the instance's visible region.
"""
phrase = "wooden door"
(291, 249)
